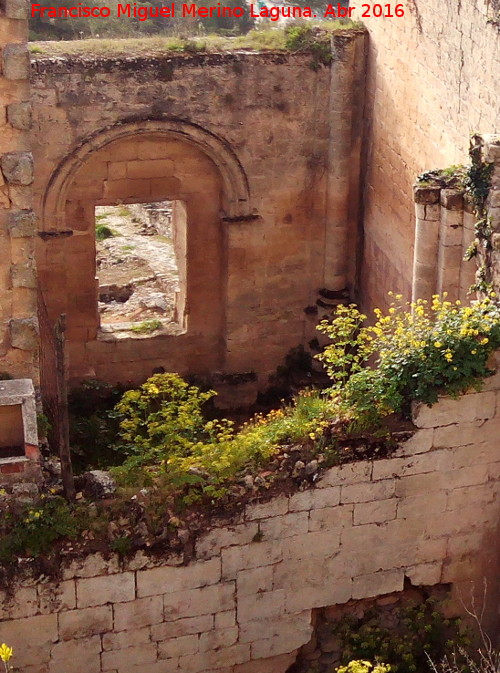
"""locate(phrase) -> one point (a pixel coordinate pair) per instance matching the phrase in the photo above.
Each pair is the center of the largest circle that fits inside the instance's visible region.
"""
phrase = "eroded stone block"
(15, 61)
(21, 223)
(17, 168)
(19, 115)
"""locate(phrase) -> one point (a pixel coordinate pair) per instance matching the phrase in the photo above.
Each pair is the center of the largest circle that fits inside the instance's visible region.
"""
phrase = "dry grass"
(270, 39)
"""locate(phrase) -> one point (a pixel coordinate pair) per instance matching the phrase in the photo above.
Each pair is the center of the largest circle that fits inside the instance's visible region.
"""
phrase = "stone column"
(491, 155)
(450, 251)
(18, 298)
(347, 70)
(425, 257)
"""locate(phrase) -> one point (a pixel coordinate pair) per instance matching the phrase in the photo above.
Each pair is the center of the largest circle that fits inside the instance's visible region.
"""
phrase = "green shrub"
(163, 430)
(416, 351)
(34, 529)
(408, 640)
(310, 40)
(146, 326)
(102, 232)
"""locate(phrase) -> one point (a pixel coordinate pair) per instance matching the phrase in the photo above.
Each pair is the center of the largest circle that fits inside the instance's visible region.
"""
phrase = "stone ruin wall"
(432, 80)
(18, 325)
(263, 150)
(244, 604)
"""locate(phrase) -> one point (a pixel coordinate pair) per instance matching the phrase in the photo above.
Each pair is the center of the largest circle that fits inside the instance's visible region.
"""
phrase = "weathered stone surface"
(24, 334)
(110, 589)
(22, 223)
(19, 115)
(85, 623)
(15, 61)
(17, 167)
(24, 275)
(17, 9)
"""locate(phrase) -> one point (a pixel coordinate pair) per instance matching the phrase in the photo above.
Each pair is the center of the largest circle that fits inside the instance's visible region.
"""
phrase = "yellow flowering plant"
(412, 352)
(361, 666)
(6, 655)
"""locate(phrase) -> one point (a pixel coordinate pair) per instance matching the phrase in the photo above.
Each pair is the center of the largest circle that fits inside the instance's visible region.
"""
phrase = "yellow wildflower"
(5, 652)
(438, 344)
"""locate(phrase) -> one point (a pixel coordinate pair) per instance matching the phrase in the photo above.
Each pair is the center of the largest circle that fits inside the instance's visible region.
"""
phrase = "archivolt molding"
(235, 183)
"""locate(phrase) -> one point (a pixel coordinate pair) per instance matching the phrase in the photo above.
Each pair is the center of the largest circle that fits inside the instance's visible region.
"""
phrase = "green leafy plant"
(102, 232)
(415, 351)
(415, 634)
(34, 529)
(147, 326)
(307, 39)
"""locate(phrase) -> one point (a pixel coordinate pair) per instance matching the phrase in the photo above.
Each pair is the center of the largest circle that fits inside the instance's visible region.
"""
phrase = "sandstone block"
(280, 527)
(249, 582)
(265, 605)
(452, 199)
(170, 579)
(420, 484)
(474, 406)
(76, 656)
(425, 574)
(85, 623)
(132, 638)
(287, 626)
(352, 473)
(333, 592)
(197, 602)
(317, 545)
(57, 598)
(384, 582)
(217, 639)
(179, 647)
(375, 512)
(224, 620)
(211, 544)
(314, 498)
(265, 510)
(15, 61)
(17, 167)
(331, 518)
(130, 656)
(32, 632)
(16, 9)
(21, 223)
(24, 604)
(219, 661)
(138, 613)
(279, 664)
(23, 275)
(426, 195)
(163, 666)
(19, 115)
(183, 627)
(94, 591)
(356, 493)
(254, 555)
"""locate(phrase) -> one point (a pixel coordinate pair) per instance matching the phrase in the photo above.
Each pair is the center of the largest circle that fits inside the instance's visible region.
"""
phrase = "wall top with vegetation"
(244, 601)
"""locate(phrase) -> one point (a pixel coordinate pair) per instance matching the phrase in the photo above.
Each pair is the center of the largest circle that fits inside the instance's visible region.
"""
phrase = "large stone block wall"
(426, 94)
(265, 153)
(244, 604)
(18, 324)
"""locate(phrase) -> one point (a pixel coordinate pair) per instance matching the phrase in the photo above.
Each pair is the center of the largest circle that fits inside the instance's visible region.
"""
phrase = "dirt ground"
(136, 268)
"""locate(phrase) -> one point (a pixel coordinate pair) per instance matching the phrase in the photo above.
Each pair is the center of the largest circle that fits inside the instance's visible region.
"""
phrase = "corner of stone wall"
(19, 350)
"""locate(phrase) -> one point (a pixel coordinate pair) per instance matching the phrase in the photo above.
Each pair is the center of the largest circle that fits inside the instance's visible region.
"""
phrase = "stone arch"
(129, 163)
(236, 193)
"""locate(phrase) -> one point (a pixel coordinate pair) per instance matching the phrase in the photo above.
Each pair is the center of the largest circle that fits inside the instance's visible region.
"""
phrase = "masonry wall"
(244, 604)
(18, 325)
(262, 148)
(433, 78)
